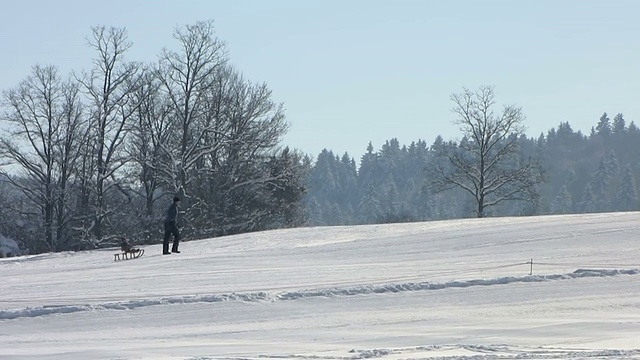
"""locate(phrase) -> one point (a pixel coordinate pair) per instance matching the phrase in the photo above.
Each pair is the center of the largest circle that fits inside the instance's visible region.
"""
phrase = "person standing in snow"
(171, 228)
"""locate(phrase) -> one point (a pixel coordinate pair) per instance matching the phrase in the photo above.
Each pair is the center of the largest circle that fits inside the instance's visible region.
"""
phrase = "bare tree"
(187, 77)
(45, 131)
(73, 136)
(239, 187)
(206, 134)
(486, 163)
(150, 136)
(109, 86)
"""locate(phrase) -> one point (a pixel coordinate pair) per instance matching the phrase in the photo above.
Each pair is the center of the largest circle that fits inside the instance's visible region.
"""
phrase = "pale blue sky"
(355, 71)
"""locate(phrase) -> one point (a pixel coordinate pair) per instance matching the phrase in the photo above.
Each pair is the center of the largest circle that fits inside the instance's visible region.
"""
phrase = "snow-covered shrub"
(8, 247)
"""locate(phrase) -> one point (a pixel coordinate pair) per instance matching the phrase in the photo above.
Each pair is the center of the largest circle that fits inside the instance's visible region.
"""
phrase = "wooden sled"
(128, 255)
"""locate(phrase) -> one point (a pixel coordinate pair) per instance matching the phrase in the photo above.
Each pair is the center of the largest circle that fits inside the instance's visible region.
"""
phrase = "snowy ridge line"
(422, 286)
(310, 293)
(478, 352)
(130, 304)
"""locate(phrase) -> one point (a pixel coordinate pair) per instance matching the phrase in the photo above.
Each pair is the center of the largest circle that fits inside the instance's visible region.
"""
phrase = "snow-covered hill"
(552, 287)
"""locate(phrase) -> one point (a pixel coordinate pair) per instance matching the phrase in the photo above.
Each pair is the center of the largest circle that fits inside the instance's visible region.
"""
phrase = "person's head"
(176, 199)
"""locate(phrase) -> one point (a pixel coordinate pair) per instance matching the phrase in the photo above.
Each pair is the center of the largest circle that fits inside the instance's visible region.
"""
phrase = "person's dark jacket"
(172, 214)
(126, 246)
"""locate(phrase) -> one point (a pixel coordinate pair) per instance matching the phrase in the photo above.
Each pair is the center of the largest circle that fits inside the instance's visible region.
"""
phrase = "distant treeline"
(593, 172)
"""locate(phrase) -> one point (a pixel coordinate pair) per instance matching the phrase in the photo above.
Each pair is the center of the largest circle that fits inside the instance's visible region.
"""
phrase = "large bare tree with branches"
(190, 125)
(486, 163)
(110, 87)
(46, 130)
(223, 131)
(148, 147)
(252, 125)
(187, 78)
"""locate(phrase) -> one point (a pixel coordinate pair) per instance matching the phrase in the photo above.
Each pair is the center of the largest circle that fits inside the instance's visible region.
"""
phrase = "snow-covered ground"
(448, 290)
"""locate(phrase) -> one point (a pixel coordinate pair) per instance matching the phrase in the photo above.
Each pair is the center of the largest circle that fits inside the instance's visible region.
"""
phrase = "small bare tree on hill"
(486, 163)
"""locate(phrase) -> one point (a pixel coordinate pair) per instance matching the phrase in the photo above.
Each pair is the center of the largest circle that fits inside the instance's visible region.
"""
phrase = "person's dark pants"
(170, 228)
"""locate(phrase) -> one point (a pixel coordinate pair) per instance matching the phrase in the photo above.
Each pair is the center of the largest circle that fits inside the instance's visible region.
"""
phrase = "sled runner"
(128, 255)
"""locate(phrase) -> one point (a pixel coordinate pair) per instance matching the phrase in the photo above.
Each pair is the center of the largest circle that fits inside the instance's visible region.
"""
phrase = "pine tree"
(369, 172)
(390, 202)
(619, 125)
(562, 204)
(627, 197)
(600, 184)
(612, 163)
(604, 126)
(314, 213)
(425, 203)
(588, 203)
(370, 205)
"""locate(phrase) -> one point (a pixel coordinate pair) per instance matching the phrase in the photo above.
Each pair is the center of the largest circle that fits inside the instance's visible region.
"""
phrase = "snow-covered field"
(448, 290)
